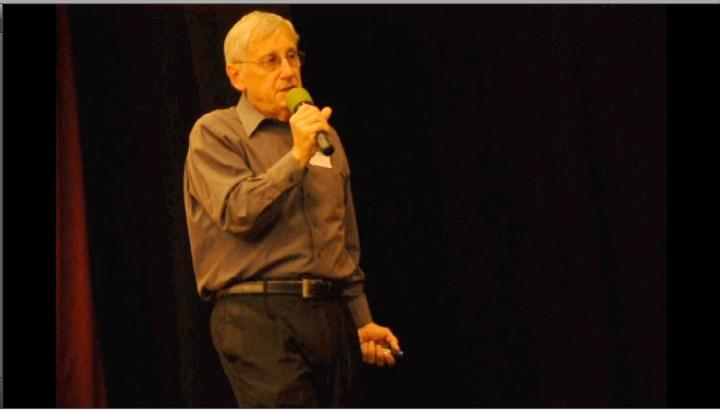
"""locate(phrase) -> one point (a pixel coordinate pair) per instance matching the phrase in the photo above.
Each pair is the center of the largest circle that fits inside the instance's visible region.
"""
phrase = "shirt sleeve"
(220, 180)
(358, 303)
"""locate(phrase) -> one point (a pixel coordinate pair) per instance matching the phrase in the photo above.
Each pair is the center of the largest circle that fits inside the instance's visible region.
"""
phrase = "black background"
(510, 170)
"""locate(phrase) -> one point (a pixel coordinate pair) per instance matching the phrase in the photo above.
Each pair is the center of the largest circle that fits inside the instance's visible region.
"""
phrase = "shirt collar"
(249, 115)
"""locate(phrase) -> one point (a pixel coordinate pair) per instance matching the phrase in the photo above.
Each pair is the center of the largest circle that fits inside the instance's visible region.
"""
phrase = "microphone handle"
(325, 146)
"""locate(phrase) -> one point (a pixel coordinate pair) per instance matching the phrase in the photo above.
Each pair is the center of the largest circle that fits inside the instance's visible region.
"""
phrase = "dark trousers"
(285, 351)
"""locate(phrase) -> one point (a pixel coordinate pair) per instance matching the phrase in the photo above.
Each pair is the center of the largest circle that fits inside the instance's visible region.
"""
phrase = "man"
(273, 235)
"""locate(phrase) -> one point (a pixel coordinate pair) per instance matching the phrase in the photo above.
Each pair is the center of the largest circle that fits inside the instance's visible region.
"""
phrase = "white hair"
(254, 26)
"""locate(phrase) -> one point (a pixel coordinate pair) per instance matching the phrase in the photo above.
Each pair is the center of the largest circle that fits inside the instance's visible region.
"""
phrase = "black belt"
(306, 288)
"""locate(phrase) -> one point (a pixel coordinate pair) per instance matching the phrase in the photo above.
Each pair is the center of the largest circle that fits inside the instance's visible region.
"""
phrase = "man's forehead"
(280, 41)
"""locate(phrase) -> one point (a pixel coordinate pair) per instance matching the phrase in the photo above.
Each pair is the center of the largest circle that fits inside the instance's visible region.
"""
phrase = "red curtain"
(80, 380)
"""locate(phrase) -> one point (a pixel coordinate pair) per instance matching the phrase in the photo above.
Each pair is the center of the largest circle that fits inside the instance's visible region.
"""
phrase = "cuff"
(360, 310)
(286, 172)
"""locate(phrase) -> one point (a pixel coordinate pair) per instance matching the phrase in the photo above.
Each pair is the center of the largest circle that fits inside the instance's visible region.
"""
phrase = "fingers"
(372, 353)
(309, 126)
(368, 352)
(306, 109)
(326, 112)
(311, 116)
(388, 357)
(377, 354)
(380, 355)
(305, 124)
(310, 113)
(309, 120)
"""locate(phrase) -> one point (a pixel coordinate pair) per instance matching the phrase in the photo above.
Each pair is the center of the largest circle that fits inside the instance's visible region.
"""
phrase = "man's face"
(266, 90)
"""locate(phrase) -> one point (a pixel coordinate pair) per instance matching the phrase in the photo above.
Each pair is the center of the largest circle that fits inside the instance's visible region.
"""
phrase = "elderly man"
(273, 235)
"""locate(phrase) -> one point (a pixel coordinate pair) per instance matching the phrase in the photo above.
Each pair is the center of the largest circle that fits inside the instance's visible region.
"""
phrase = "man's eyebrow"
(274, 54)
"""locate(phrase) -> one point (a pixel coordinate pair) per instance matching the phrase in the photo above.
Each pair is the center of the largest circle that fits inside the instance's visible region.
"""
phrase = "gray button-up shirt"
(254, 213)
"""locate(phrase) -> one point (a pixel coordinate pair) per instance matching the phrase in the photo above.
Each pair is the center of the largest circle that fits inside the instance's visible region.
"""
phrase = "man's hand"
(375, 340)
(305, 124)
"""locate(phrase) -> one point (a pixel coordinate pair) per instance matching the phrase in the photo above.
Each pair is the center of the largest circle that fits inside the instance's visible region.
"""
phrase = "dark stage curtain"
(509, 170)
(79, 376)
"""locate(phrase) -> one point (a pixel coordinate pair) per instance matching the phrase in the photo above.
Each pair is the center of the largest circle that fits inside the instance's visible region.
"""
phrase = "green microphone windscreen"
(297, 96)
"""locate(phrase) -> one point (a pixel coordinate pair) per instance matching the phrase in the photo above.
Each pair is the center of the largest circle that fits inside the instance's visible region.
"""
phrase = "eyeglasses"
(272, 62)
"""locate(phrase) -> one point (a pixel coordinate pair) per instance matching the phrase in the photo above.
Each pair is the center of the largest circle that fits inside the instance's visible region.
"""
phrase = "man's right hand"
(374, 343)
(305, 124)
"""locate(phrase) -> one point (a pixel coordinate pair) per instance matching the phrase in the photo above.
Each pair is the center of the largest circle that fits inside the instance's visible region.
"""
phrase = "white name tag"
(320, 160)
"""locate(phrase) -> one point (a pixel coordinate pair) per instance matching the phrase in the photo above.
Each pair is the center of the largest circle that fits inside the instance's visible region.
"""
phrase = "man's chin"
(282, 100)
(283, 116)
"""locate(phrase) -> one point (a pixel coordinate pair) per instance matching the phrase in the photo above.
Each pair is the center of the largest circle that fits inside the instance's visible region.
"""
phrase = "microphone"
(297, 97)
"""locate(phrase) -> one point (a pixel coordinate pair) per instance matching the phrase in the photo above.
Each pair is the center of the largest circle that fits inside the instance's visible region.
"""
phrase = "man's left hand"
(376, 342)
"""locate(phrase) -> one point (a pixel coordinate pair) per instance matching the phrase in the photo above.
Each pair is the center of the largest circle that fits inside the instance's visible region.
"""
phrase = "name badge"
(320, 160)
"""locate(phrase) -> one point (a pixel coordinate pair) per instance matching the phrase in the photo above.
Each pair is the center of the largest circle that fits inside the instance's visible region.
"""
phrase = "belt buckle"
(306, 289)
(312, 288)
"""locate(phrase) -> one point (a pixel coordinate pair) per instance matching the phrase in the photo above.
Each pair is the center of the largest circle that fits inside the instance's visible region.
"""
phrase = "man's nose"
(285, 68)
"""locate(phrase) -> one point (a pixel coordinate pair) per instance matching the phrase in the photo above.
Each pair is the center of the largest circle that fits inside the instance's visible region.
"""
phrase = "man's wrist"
(301, 159)
(360, 310)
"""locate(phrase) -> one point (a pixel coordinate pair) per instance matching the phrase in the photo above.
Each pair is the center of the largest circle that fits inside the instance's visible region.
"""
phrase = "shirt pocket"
(327, 188)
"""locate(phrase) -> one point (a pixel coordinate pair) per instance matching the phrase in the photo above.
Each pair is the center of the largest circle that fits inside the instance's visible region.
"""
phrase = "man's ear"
(235, 74)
